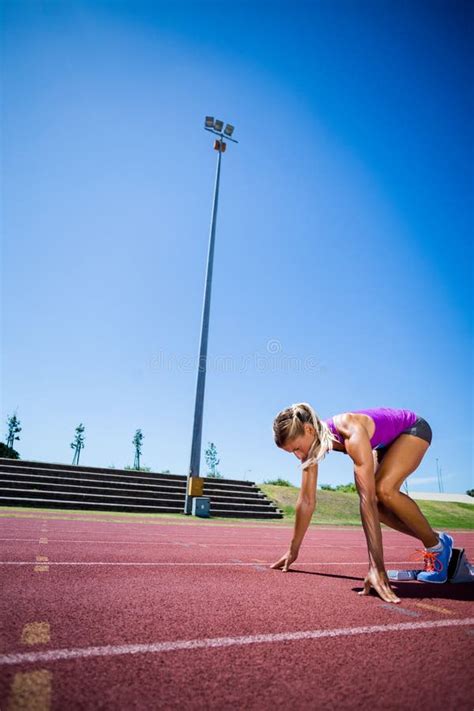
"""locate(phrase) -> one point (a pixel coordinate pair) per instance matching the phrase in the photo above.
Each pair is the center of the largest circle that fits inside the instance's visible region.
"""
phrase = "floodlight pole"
(194, 466)
(438, 472)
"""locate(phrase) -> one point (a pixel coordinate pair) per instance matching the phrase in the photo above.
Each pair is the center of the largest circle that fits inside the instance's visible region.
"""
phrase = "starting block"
(460, 570)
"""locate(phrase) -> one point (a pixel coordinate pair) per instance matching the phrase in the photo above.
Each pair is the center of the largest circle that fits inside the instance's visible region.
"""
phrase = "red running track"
(149, 614)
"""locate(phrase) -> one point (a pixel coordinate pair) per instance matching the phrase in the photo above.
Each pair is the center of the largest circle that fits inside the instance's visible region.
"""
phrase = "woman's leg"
(385, 515)
(400, 460)
(389, 519)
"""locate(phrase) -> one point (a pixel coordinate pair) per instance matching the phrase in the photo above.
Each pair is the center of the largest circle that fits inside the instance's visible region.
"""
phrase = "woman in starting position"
(386, 445)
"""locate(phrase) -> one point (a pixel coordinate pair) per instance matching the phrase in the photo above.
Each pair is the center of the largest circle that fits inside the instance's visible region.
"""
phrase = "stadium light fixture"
(218, 125)
(229, 130)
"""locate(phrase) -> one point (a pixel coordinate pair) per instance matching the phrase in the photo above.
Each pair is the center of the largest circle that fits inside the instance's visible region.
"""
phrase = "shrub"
(344, 488)
(470, 492)
(8, 452)
(278, 482)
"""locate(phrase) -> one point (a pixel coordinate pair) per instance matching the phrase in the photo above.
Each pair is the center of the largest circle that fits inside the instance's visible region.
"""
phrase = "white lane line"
(189, 644)
(190, 564)
(19, 539)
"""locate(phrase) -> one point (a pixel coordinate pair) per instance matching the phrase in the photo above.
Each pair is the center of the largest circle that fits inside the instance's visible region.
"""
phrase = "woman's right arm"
(303, 515)
(305, 507)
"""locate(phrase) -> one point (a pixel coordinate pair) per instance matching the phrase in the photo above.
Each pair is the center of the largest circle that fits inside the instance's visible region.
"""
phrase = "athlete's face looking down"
(300, 446)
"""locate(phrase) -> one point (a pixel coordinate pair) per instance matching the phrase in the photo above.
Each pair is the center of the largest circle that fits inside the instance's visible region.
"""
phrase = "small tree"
(13, 429)
(212, 461)
(137, 442)
(78, 443)
(470, 492)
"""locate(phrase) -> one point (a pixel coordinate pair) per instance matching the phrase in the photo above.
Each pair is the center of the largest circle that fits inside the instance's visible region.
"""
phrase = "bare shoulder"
(344, 420)
(347, 422)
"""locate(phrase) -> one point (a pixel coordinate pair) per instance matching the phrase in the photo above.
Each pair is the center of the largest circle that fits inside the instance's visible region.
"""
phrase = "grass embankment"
(334, 508)
(337, 508)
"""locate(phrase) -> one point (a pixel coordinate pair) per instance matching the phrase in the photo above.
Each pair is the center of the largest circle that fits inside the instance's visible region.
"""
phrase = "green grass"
(333, 507)
(448, 514)
(337, 508)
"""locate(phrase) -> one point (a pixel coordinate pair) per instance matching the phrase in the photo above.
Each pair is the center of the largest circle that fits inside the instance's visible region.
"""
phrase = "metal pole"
(201, 375)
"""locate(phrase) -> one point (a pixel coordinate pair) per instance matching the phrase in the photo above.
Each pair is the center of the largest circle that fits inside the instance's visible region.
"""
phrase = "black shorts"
(420, 428)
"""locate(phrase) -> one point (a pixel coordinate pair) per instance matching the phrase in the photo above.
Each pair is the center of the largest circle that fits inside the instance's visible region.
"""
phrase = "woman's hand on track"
(378, 580)
(286, 560)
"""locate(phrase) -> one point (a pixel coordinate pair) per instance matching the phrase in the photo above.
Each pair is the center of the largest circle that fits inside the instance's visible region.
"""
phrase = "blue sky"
(343, 263)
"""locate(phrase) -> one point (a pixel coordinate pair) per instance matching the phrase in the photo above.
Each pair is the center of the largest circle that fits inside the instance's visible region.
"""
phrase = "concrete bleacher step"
(81, 488)
(75, 484)
(23, 463)
(143, 478)
(99, 497)
(52, 485)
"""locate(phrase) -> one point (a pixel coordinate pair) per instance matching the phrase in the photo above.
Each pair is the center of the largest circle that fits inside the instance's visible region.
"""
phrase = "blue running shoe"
(437, 562)
(446, 538)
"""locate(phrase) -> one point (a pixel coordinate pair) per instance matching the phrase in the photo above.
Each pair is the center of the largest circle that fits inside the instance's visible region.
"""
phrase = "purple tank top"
(389, 423)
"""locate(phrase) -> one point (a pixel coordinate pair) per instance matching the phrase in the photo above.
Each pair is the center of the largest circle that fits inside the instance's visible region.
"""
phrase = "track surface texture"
(137, 613)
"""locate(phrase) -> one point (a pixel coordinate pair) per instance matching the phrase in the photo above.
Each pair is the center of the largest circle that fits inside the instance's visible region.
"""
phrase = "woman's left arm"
(357, 444)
